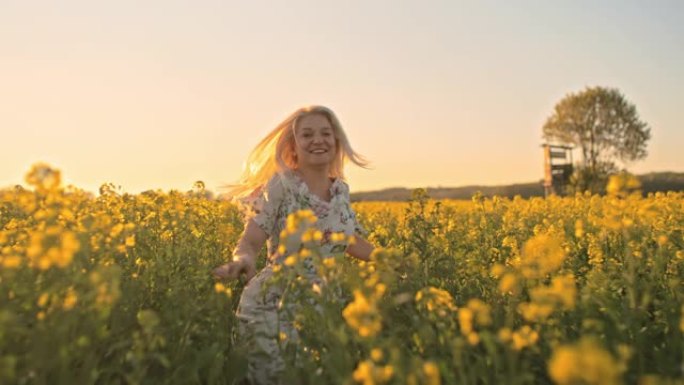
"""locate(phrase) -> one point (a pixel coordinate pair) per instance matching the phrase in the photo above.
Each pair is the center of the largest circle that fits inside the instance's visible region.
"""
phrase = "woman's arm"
(245, 253)
(360, 248)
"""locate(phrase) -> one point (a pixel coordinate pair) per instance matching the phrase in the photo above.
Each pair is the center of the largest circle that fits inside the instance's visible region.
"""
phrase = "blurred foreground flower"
(584, 363)
(43, 177)
(368, 373)
(622, 184)
(362, 315)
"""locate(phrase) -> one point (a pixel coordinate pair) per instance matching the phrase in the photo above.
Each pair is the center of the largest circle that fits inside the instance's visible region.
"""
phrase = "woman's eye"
(307, 135)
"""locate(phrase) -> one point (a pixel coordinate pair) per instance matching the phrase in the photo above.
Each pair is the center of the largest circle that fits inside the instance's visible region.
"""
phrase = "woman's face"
(315, 142)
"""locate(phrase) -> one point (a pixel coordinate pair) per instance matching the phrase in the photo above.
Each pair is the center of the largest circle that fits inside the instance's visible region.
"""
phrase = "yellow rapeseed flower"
(43, 299)
(290, 225)
(376, 354)
(622, 184)
(497, 270)
(11, 262)
(524, 337)
(68, 247)
(380, 289)
(364, 373)
(563, 287)
(436, 300)
(290, 261)
(481, 311)
(542, 254)
(585, 362)
(317, 235)
(362, 315)
(307, 236)
(116, 230)
(43, 177)
(473, 338)
(35, 247)
(504, 334)
(535, 312)
(508, 284)
(431, 372)
(564, 365)
(219, 287)
(329, 262)
(367, 373)
(579, 228)
(130, 241)
(465, 320)
(70, 299)
(337, 237)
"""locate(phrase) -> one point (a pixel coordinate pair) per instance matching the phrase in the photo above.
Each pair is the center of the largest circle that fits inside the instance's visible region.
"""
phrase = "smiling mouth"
(318, 151)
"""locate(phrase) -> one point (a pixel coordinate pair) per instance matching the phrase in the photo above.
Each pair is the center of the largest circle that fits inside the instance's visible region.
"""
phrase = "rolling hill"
(651, 182)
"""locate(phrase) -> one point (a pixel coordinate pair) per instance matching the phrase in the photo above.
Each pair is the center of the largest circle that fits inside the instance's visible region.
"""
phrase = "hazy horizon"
(158, 95)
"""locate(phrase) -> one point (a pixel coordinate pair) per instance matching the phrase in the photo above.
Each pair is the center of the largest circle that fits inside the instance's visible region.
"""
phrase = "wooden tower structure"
(557, 168)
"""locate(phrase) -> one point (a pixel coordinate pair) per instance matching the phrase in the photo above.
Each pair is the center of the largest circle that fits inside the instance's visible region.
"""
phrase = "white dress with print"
(268, 207)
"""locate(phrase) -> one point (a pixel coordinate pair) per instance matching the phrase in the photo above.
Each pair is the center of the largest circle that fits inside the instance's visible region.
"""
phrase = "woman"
(299, 165)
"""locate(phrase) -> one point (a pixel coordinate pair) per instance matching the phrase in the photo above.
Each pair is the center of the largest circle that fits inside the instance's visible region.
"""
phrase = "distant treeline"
(652, 182)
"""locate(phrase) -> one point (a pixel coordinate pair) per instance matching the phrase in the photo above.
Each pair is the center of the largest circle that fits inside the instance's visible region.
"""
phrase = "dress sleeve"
(263, 205)
(358, 228)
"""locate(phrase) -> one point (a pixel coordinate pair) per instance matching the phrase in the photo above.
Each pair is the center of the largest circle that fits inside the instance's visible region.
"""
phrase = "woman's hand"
(234, 269)
(244, 256)
(360, 249)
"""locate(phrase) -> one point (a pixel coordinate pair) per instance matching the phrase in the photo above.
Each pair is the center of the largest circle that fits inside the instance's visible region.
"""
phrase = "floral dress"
(260, 321)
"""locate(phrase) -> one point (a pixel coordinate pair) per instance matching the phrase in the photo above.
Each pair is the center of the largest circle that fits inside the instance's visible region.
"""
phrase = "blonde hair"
(275, 153)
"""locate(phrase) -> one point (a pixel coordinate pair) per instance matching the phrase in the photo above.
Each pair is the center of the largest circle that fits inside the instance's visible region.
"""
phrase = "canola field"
(117, 289)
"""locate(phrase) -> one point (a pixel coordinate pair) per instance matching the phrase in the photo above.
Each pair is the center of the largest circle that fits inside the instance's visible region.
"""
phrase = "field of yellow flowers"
(117, 289)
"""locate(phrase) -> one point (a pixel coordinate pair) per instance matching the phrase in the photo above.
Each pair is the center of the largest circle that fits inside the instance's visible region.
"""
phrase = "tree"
(605, 127)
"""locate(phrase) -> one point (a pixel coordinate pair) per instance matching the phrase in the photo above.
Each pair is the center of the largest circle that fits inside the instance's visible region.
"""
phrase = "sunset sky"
(159, 94)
